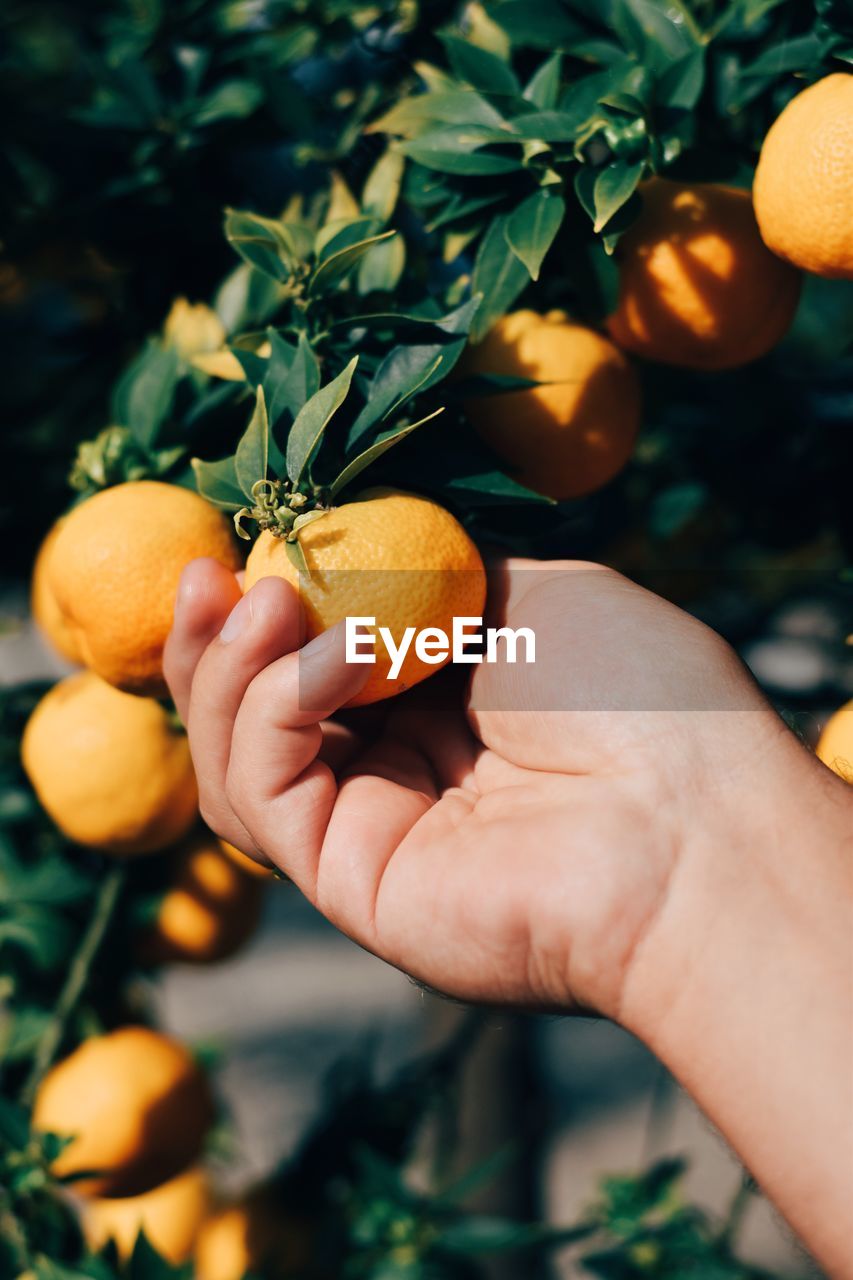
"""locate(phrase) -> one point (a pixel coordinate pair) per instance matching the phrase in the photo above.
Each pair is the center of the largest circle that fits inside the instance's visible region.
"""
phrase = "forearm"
(744, 988)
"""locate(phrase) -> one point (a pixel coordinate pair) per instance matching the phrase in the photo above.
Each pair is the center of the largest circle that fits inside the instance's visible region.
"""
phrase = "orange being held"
(398, 557)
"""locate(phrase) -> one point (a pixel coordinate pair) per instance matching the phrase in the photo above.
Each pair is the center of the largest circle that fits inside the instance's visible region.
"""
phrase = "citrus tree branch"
(78, 974)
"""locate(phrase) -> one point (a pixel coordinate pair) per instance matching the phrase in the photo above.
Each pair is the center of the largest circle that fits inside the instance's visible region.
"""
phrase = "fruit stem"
(78, 974)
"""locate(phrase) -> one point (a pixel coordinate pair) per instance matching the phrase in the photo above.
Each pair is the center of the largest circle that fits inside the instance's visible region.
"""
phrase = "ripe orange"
(835, 745)
(697, 285)
(572, 436)
(113, 771)
(394, 556)
(114, 571)
(137, 1106)
(252, 1235)
(210, 909)
(803, 189)
(170, 1215)
(46, 612)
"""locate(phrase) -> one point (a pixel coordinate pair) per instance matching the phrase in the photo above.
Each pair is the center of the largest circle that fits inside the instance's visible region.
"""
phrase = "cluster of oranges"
(709, 279)
(137, 1107)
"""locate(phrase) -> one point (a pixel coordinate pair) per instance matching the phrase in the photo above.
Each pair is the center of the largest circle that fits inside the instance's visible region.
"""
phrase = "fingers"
(206, 594)
(275, 784)
(263, 625)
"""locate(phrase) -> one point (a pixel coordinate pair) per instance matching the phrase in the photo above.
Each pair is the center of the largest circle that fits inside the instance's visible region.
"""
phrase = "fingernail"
(237, 620)
(320, 644)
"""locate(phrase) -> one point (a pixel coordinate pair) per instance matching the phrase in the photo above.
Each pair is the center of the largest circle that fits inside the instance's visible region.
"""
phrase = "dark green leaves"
(260, 242)
(252, 456)
(532, 226)
(312, 420)
(481, 69)
(499, 276)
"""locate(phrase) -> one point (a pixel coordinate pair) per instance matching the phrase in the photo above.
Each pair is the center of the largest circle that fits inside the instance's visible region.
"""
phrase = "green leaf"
(335, 268)
(538, 24)
(50, 880)
(531, 228)
(414, 367)
(382, 266)
(342, 233)
(382, 188)
(45, 936)
(234, 99)
(260, 242)
(425, 111)
(543, 87)
(147, 1264)
(218, 483)
(682, 83)
(548, 126)
(144, 395)
(614, 186)
(293, 377)
(480, 68)
(376, 450)
(454, 149)
(14, 1124)
(498, 277)
(312, 420)
(252, 457)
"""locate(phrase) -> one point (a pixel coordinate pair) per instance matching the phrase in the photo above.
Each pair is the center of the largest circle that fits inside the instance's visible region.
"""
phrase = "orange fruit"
(45, 610)
(573, 435)
(114, 571)
(136, 1106)
(835, 745)
(803, 188)
(210, 909)
(246, 863)
(251, 1235)
(697, 285)
(170, 1215)
(113, 771)
(394, 556)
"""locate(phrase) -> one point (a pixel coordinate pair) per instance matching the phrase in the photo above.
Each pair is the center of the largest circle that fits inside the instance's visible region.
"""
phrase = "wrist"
(742, 984)
(760, 848)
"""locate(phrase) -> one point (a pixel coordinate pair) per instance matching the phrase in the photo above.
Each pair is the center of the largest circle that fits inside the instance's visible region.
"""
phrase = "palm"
(427, 861)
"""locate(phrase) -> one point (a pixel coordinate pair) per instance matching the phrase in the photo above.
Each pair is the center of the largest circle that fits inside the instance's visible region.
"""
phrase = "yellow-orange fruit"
(573, 435)
(170, 1215)
(113, 771)
(835, 745)
(45, 610)
(252, 1235)
(114, 571)
(394, 556)
(135, 1103)
(698, 287)
(210, 909)
(803, 188)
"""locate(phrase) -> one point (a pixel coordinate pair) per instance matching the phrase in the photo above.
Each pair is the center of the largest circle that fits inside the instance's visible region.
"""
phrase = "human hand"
(520, 853)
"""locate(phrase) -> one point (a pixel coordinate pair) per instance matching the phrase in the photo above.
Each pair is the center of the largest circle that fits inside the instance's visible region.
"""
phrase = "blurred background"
(128, 130)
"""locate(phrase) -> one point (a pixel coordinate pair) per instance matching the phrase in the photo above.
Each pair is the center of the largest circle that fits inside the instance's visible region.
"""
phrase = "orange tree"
(497, 262)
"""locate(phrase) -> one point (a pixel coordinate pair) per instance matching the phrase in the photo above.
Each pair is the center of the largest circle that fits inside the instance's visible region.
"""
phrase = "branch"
(78, 975)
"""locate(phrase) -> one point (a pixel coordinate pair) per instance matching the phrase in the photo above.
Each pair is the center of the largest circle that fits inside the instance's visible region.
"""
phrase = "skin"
(635, 833)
